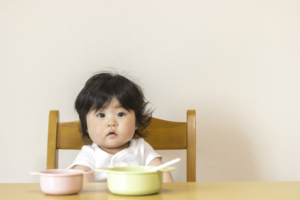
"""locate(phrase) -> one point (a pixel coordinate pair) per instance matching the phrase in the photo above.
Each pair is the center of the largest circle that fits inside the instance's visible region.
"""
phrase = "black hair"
(98, 93)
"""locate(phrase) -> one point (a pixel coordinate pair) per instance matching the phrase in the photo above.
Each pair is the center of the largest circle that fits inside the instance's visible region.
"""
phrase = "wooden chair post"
(191, 145)
(52, 153)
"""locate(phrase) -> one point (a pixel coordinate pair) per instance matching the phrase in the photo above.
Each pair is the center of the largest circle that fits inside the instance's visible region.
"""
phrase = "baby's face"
(111, 128)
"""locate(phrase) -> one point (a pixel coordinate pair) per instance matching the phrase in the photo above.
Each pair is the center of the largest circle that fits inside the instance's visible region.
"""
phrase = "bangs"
(101, 96)
(99, 103)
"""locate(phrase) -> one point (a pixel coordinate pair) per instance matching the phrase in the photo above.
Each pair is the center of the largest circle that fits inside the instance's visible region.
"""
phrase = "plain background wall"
(237, 63)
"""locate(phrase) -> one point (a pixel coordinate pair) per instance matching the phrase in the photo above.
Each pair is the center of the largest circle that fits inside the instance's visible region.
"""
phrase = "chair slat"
(166, 135)
(160, 131)
(68, 136)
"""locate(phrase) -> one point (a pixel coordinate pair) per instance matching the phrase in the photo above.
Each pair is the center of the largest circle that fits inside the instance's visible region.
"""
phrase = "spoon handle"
(164, 165)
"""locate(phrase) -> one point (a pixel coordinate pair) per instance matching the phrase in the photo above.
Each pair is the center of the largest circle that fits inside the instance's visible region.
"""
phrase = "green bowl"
(134, 180)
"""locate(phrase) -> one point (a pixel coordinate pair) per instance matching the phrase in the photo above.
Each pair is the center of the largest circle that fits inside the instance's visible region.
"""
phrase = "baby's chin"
(115, 145)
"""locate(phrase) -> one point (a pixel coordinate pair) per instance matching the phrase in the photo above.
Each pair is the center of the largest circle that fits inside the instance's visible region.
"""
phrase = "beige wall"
(237, 63)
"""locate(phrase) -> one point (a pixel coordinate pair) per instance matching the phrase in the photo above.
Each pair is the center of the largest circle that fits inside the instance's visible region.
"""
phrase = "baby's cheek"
(130, 131)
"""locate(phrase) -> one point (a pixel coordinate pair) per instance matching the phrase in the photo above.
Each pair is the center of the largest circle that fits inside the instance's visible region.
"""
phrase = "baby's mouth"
(112, 134)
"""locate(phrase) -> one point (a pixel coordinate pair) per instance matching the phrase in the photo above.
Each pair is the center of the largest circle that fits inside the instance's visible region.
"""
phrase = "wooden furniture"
(163, 135)
(170, 191)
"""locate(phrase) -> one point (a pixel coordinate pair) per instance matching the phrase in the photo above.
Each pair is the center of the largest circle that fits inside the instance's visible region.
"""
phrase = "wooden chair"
(163, 135)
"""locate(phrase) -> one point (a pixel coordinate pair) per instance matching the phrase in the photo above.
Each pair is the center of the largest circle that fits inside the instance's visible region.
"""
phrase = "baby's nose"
(112, 123)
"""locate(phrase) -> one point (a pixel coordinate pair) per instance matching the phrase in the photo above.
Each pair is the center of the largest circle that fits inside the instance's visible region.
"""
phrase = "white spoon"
(164, 165)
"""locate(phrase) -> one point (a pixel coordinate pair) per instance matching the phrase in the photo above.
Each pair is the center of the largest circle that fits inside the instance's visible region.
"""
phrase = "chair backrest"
(163, 135)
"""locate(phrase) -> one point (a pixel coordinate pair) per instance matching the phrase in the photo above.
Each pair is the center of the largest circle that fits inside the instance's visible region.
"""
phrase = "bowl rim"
(114, 170)
(64, 172)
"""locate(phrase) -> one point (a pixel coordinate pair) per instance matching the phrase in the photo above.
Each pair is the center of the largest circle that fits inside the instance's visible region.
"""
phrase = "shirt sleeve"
(149, 153)
(85, 157)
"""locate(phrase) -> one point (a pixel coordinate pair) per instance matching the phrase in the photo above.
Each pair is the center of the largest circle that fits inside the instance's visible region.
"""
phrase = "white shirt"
(139, 153)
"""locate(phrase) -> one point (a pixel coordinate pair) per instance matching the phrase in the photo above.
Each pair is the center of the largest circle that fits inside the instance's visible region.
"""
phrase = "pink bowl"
(61, 181)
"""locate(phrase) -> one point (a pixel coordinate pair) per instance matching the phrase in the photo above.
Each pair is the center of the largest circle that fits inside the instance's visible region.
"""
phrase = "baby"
(112, 110)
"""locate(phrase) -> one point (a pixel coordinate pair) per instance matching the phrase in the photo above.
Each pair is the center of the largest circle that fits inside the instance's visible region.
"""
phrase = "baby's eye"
(101, 115)
(121, 114)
